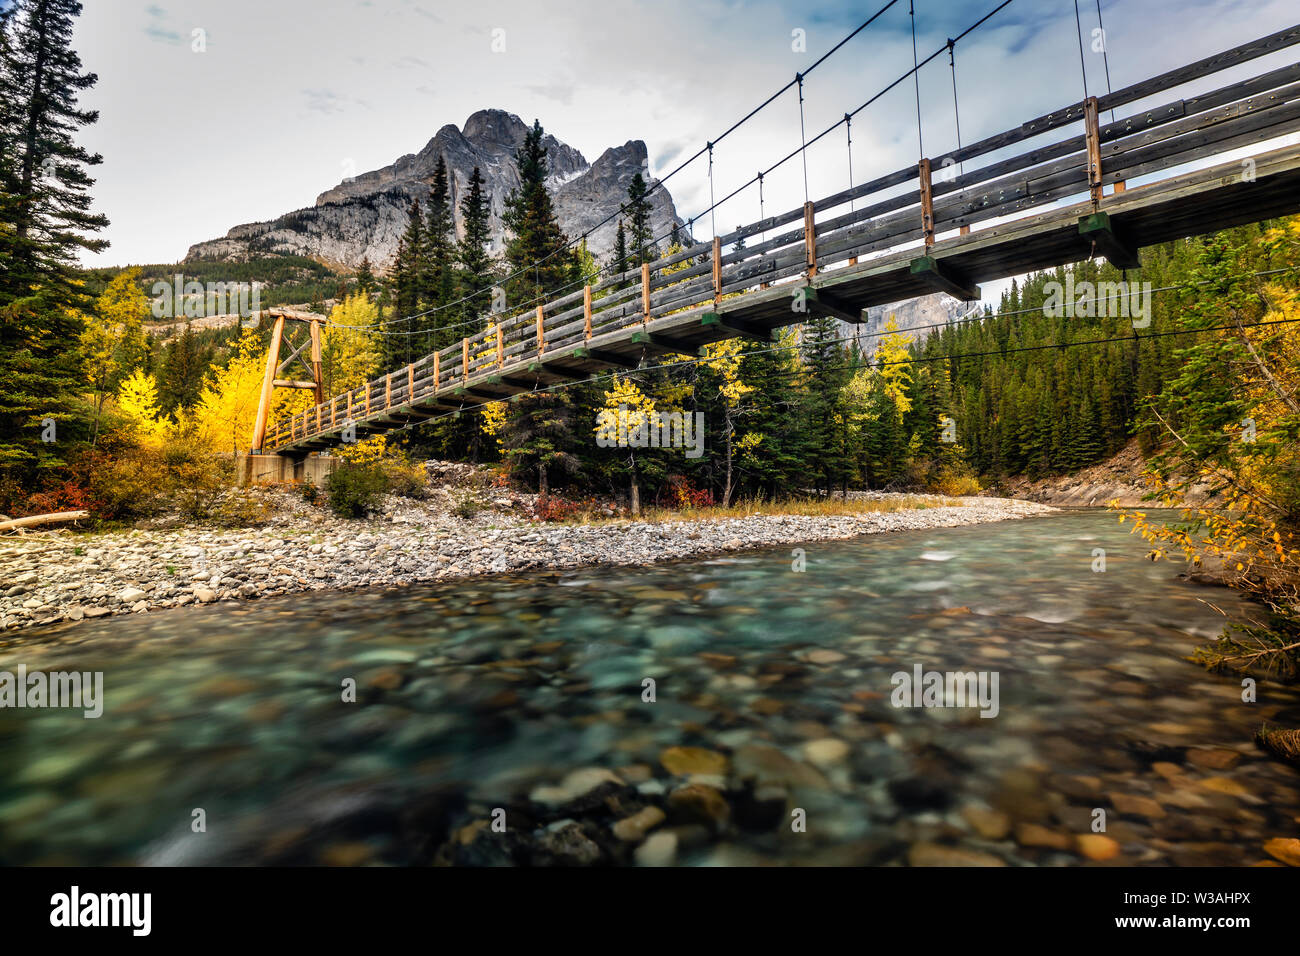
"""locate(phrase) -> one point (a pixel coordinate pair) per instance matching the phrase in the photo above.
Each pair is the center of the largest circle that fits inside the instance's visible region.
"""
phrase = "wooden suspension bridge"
(910, 233)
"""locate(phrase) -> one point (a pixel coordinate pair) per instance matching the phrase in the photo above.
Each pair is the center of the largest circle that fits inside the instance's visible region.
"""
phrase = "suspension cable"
(803, 138)
(713, 219)
(1105, 55)
(848, 134)
(659, 183)
(1083, 68)
(916, 81)
(956, 110)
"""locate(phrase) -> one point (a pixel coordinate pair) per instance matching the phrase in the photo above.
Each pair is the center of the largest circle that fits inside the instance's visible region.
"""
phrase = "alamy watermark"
(950, 689)
(198, 300)
(1129, 300)
(73, 909)
(636, 429)
(72, 689)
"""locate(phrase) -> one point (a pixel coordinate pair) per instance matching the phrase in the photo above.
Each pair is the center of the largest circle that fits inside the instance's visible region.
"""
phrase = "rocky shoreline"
(66, 576)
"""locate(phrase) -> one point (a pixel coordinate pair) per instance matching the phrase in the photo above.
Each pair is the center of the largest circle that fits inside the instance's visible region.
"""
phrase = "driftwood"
(1282, 743)
(59, 516)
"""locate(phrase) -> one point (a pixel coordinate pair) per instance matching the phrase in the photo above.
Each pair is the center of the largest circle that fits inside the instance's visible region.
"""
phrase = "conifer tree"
(406, 282)
(45, 218)
(536, 251)
(473, 259)
(366, 283)
(539, 433)
(439, 278)
(640, 238)
(618, 263)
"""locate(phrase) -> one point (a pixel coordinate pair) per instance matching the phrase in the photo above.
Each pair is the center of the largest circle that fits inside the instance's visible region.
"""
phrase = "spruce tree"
(406, 279)
(366, 277)
(45, 218)
(540, 431)
(537, 253)
(184, 365)
(439, 278)
(825, 373)
(640, 237)
(474, 262)
(618, 263)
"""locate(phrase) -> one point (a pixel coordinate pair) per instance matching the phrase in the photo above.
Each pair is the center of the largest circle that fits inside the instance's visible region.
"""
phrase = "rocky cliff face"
(365, 216)
(915, 317)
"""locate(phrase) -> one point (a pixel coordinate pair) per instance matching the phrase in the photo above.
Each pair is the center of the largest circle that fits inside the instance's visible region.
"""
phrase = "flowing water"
(225, 737)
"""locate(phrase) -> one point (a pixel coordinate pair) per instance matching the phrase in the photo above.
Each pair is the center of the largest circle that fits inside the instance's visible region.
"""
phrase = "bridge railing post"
(717, 270)
(645, 293)
(810, 238)
(586, 313)
(464, 358)
(927, 201)
(1092, 134)
(541, 331)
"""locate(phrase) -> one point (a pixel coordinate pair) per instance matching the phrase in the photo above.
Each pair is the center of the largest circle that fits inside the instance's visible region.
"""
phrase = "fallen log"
(59, 516)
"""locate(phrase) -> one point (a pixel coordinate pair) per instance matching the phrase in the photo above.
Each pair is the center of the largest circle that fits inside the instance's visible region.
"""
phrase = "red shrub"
(680, 493)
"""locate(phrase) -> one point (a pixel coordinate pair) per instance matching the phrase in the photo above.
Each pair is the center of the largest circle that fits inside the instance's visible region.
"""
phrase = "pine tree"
(640, 237)
(540, 262)
(618, 263)
(44, 218)
(825, 374)
(539, 434)
(439, 254)
(184, 366)
(366, 283)
(472, 256)
(405, 279)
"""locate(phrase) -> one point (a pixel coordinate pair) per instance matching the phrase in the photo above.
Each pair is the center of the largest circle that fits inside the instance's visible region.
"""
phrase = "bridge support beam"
(1100, 231)
(607, 358)
(654, 342)
(927, 269)
(735, 326)
(827, 303)
(472, 391)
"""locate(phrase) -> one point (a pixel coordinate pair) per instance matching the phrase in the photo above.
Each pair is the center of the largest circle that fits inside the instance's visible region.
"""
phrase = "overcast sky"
(287, 97)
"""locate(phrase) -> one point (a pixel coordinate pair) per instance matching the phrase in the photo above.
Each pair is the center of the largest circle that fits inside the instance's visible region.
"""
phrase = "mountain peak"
(494, 126)
(365, 215)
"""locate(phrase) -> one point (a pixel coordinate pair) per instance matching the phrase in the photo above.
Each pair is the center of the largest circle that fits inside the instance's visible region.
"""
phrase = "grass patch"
(811, 507)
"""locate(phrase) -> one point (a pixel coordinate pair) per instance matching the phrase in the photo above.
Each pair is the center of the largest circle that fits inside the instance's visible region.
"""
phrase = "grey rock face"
(919, 317)
(365, 216)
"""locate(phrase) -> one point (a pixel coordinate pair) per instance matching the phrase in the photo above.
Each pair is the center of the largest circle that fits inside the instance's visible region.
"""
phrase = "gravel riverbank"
(65, 576)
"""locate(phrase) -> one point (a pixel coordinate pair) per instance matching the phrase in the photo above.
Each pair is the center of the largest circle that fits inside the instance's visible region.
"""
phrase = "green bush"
(355, 489)
(196, 480)
(466, 506)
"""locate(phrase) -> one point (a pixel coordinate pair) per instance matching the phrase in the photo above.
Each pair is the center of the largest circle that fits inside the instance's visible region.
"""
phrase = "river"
(772, 735)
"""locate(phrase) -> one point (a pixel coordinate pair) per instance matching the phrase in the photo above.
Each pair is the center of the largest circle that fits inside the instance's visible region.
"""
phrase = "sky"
(219, 112)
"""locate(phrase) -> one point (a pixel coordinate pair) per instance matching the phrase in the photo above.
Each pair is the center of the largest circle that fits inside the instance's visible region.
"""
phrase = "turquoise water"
(472, 696)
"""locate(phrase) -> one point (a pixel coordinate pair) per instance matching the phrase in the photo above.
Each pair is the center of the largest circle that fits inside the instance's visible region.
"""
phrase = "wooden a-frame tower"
(275, 367)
